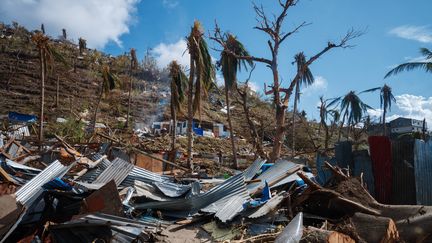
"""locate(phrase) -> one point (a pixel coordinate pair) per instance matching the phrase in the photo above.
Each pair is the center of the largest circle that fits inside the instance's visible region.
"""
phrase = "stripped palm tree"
(325, 109)
(425, 64)
(386, 97)
(353, 108)
(230, 66)
(306, 78)
(178, 86)
(47, 56)
(201, 75)
(109, 82)
(133, 66)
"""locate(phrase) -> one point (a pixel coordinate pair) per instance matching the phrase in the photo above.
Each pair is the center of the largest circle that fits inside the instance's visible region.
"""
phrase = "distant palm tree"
(202, 71)
(178, 86)
(47, 55)
(306, 78)
(386, 97)
(324, 111)
(109, 82)
(230, 66)
(353, 108)
(133, 66)
(426, 65)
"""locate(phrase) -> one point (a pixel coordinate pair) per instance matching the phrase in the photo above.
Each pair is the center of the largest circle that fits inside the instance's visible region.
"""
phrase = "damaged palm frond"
(425, 64)
(178, 84)
(229, 64)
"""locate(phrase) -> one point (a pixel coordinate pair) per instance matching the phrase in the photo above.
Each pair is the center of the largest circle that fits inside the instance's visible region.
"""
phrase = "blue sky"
(395, 30)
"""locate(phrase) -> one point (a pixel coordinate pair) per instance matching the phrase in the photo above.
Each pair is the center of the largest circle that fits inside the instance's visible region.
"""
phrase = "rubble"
(92, 192)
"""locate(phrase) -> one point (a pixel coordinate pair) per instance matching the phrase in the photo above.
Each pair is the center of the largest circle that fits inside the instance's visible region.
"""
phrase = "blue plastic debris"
(18, 117)
(57, 184)
(266, 193)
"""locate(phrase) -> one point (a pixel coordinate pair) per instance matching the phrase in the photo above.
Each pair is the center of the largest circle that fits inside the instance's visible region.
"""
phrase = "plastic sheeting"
(403, 179)
(363, 166)
(423, 171)
(381, 155)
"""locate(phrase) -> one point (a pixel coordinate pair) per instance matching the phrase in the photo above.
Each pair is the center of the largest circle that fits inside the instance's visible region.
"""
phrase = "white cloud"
(410, 106)
(165, 53)
(319, 85)
(170, 3)
(253, 86)
(417, 107)
(375, 114)
(411, 32)
(97, 21)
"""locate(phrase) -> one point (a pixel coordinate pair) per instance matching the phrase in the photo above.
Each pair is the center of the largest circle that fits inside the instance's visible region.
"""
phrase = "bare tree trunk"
(326, 139)
(42, 98)
(342, 124)
(174, 127)
(129, 100)
(57, 91)
(280, 112)
(190, 114)
(97, 107)
(233, 145)
(383, 122)
(297, 92)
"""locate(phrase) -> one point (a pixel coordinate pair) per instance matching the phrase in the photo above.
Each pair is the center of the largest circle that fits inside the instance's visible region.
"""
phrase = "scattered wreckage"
(84, 194)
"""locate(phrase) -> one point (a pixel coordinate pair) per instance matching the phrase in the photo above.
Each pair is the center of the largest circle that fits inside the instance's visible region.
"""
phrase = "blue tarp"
(198, 131)
(18, 117)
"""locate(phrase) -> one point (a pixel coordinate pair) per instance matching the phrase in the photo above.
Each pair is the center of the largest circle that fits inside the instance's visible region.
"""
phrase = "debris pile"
(83, 193)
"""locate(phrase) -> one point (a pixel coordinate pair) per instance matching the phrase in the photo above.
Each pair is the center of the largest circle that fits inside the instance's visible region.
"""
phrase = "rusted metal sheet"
(363, 167)
(104, 200)
(381, 155)
(403, 179)
(423, 171)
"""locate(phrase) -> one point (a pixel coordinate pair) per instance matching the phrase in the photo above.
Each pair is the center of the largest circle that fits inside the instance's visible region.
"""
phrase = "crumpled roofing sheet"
(274, 175)
(118, 170)
(33, 189)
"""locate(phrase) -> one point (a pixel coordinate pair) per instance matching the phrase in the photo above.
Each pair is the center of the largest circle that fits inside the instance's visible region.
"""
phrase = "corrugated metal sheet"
(118, 170)
(343, 154)
(363, 164)
(403, 179)
(381, 155)
(231, 208)
(92, 174)
(19, 131)
(324, 174)
(172, 189)
(279, 171)
(143, 175)
(33, 189)
(423, 171)
(250, 172)
(269, 206)
(1, 141)
(213, 200)
(94, 227)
